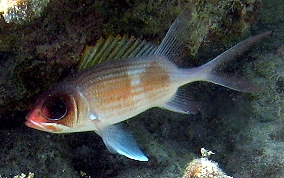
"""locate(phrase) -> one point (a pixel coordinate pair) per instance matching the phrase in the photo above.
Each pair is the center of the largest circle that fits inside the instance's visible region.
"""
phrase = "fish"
(133, 77)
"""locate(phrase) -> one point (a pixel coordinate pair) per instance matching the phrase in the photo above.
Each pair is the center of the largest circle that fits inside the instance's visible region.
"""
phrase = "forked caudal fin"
(207, 72)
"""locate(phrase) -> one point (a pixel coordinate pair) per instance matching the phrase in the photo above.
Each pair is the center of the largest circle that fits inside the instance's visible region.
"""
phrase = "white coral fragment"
(204, 168)
(18, 11)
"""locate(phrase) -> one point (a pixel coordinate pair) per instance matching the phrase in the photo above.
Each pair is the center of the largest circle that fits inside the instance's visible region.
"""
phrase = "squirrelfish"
(99, 97)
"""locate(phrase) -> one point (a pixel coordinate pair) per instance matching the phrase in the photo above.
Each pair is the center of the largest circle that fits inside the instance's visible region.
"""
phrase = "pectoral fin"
(121, 142)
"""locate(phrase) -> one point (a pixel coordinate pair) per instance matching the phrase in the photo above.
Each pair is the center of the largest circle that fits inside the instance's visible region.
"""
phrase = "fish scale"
(115, 95)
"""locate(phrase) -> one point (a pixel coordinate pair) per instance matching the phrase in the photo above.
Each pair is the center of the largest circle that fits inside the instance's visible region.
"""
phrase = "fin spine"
(114, 48)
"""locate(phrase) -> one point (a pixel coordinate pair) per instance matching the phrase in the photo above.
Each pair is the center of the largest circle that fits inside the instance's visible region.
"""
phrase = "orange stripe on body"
(128, 90)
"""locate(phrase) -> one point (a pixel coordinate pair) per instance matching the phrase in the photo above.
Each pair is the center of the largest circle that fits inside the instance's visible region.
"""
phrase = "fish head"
(56, 112)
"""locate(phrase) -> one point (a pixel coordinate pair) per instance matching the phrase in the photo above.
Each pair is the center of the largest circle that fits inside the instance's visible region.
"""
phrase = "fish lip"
(33, 124)
(40, 126)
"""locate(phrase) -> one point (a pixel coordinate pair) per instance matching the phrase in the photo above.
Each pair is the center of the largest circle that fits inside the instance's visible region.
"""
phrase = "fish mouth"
(47, 127)
(34, 120)
(34, 125)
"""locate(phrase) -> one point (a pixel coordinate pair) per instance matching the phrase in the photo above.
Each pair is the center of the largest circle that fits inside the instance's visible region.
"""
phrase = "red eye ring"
(55, 108)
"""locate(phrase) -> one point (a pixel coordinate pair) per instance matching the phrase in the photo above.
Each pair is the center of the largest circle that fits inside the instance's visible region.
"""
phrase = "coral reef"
(37, 53)
(246, 130)
(211, 21)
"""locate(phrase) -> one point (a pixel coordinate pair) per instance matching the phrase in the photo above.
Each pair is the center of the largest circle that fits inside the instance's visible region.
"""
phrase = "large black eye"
(55, 108)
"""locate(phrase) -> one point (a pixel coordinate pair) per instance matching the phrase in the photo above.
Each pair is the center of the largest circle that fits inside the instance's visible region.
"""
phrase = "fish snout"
(34, 119)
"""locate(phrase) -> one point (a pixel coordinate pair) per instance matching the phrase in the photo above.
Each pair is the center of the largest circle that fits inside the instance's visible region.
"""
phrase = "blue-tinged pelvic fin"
(181, 102)
(114, 48)
(121, 142)
(233, 82)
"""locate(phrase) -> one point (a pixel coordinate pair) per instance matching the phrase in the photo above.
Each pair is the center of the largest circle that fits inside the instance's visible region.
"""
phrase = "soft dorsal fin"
(114, 48)
(175, 43)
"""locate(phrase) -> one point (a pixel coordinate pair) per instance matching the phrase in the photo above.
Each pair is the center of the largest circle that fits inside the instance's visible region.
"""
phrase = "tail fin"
(232, 82)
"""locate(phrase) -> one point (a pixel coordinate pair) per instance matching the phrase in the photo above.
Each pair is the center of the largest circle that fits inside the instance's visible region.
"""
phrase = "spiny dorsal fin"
(114, 48)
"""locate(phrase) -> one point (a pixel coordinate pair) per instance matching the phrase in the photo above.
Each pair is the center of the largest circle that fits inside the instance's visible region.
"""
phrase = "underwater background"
(41, 42)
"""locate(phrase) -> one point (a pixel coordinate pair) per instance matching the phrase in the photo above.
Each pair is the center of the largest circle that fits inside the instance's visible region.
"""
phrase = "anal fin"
(121, 142)
(182, 103)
